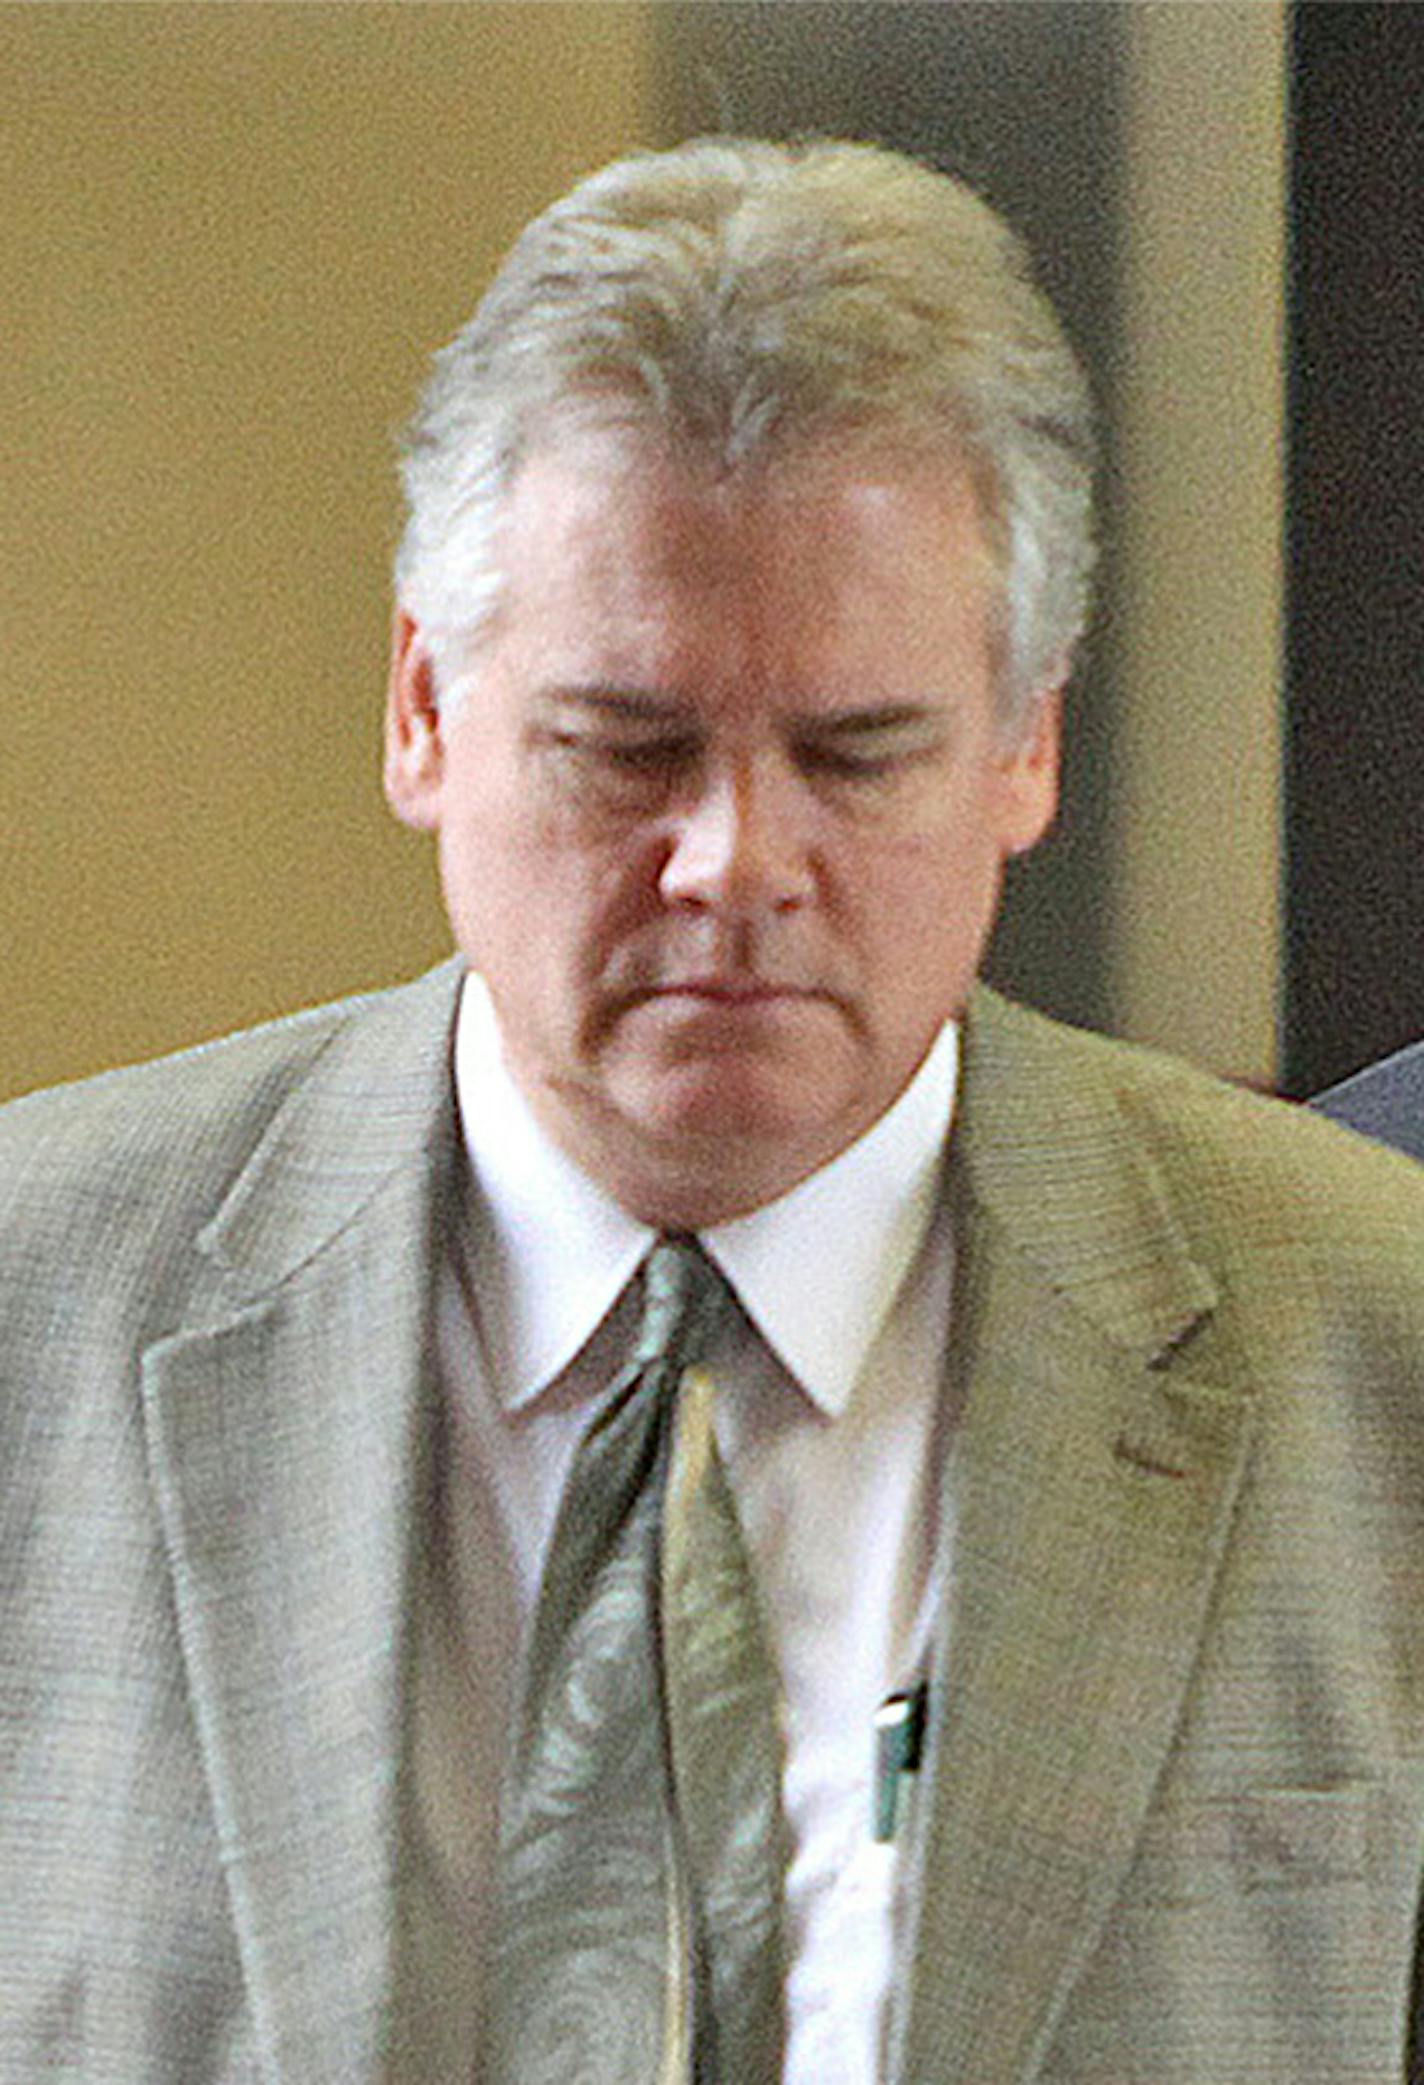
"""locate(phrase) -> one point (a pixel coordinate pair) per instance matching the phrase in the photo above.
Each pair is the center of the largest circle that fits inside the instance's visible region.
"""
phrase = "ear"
(1029, 774)
(414, 766)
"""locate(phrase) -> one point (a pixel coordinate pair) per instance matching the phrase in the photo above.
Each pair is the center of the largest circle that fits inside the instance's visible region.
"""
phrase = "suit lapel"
(1090, 1492)
(286, 1422)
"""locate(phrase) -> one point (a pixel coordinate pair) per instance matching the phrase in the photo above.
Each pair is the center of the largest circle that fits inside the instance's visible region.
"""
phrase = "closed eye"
(869, 747)
(651, 757)
(848, 763)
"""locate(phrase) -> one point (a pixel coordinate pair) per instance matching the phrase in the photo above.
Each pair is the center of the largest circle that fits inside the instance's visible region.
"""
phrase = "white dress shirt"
(831, 1420)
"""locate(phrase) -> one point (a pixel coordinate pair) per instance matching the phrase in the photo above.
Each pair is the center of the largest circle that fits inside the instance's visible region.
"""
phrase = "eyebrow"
(644, 706)
(862, 722)
(611, 699)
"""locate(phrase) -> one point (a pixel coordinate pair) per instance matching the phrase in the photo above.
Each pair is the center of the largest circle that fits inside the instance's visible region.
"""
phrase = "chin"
(708, 1156)
(688, 1150)
(717, 1103)
(691, 1179)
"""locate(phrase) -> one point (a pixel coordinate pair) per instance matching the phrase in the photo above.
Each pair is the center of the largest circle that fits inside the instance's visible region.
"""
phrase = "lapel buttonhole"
(1139, 1459)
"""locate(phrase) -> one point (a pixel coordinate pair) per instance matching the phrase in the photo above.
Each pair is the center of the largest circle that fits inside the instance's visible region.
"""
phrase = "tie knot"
(683, 1298)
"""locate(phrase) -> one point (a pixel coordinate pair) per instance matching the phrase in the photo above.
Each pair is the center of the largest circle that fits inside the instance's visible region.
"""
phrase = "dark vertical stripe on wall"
(1024, 101)
(1355, 550)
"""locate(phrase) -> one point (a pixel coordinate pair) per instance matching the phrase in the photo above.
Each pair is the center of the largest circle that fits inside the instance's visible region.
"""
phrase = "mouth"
(731, 991)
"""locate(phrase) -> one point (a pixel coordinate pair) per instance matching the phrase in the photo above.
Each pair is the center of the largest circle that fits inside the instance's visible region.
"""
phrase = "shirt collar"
(816, 1270)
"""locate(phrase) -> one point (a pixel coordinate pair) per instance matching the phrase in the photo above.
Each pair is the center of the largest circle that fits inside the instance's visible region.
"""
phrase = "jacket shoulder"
(1268, 1171)
(99, 1164)
(204, 1090)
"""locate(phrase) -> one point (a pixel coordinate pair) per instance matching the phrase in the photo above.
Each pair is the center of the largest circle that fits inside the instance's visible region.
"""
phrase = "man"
(1061, 1401)
(1385, 1101)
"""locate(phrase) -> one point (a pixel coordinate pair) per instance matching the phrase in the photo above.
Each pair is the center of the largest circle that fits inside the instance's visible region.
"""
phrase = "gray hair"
(741, 295)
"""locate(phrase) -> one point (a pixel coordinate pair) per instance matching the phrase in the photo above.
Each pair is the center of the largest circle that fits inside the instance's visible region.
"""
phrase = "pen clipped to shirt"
(899, 1747)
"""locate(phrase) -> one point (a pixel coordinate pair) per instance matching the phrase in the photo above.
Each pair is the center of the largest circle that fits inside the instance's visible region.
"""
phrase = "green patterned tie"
(642, 1851)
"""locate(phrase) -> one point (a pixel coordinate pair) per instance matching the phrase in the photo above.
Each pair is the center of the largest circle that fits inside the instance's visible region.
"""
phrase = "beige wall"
(230, 234)
(228, 237)
(1194, 888)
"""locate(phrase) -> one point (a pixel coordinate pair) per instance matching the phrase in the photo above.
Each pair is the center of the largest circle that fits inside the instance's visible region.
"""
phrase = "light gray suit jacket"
(1173, 1826)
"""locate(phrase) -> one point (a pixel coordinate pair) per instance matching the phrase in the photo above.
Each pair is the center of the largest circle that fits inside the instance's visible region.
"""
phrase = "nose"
(739, 848)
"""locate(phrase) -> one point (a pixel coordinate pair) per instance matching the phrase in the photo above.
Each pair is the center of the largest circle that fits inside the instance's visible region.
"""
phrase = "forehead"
(621, 553)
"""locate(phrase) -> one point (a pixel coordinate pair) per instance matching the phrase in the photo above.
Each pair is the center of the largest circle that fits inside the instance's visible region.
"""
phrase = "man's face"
(723, 815)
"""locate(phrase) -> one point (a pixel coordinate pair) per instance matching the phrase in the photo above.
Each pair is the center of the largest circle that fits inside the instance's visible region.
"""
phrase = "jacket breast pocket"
(1258, 1839)
(1262, 1932)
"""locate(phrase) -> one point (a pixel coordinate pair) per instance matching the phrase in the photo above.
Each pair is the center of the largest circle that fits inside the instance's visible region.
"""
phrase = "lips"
(730, 991)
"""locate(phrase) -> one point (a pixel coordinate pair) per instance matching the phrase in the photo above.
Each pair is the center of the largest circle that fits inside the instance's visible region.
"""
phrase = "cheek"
(538, 887)
(932, 873)
(924, 904)
(489, 862)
